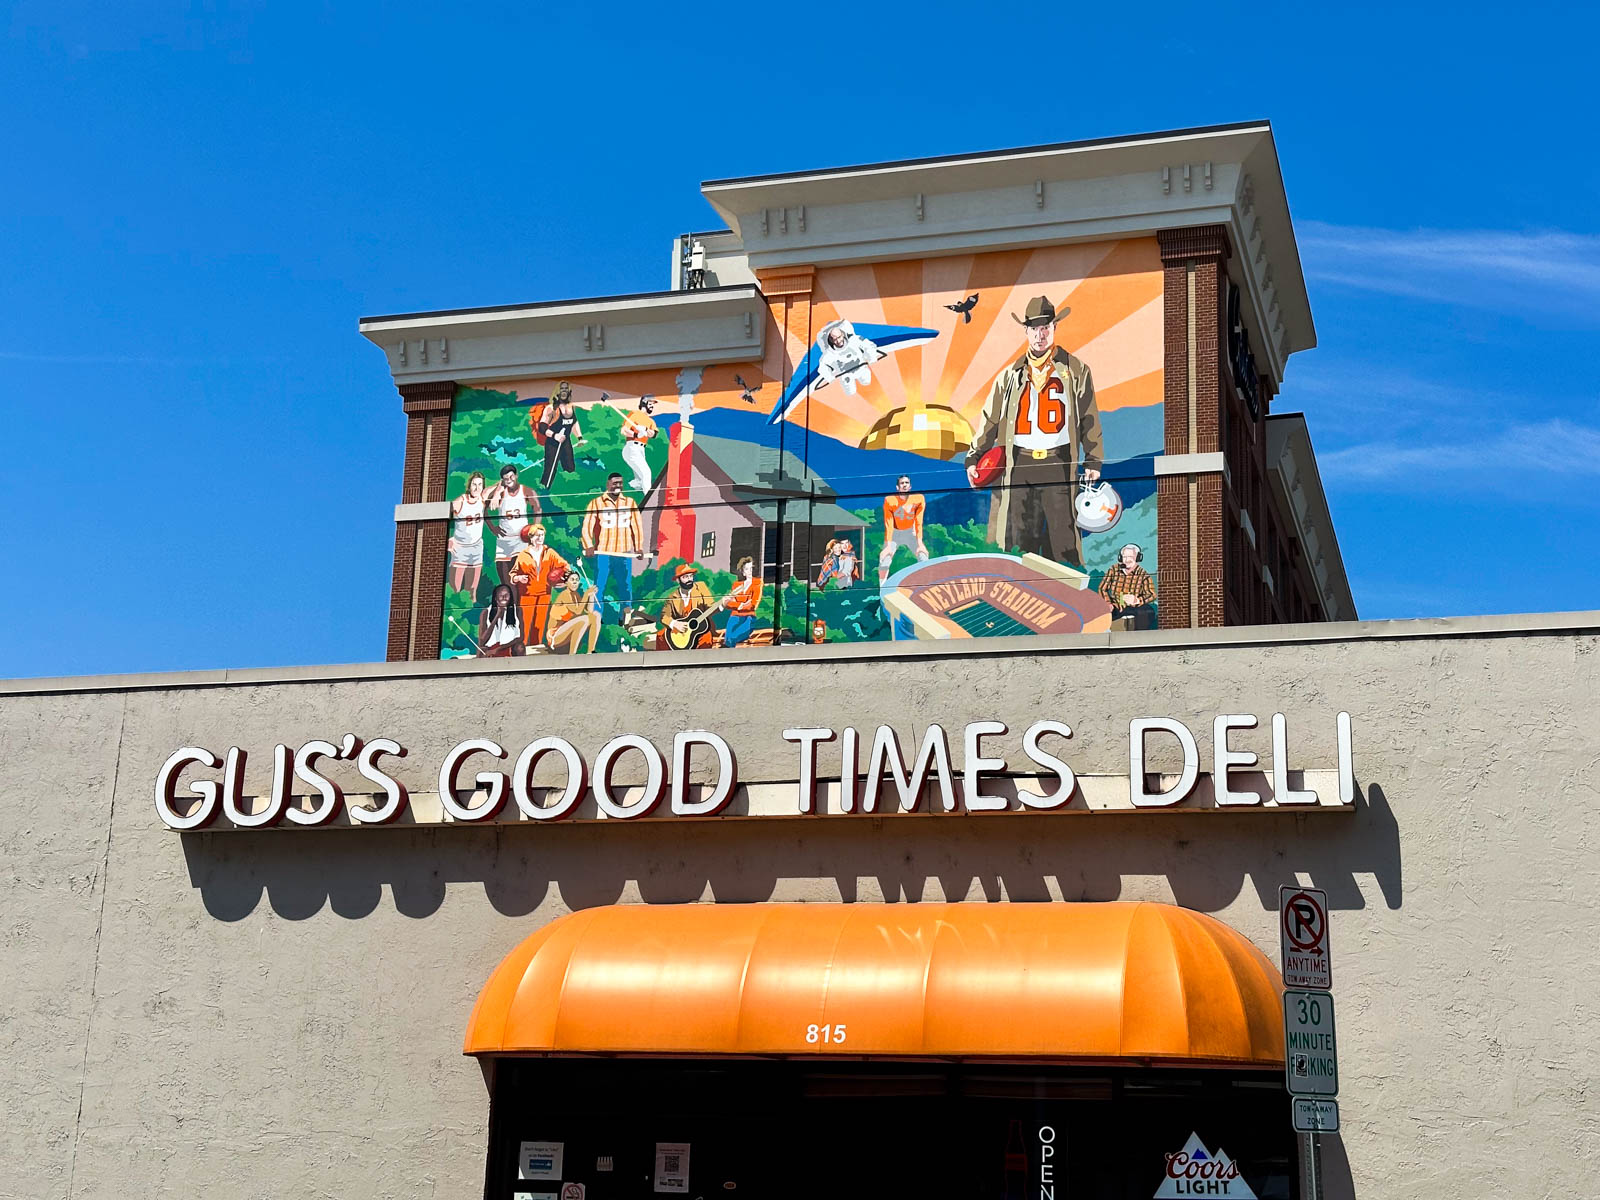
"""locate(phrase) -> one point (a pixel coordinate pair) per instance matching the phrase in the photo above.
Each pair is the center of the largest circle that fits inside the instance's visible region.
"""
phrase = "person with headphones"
(1128, 588)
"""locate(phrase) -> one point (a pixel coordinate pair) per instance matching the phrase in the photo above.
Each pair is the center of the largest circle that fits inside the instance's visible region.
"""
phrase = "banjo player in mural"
(1042, 419)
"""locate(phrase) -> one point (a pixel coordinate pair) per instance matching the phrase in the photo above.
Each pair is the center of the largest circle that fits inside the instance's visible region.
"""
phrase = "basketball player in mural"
(465, 544)
(510, 504)
(1041, 416)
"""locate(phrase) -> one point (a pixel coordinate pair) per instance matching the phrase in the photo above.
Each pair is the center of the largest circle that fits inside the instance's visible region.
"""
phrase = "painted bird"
(746, 393)
(965, 307)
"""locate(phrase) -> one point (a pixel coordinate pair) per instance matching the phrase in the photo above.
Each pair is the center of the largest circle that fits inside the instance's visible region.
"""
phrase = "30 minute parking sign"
(1311, 1055)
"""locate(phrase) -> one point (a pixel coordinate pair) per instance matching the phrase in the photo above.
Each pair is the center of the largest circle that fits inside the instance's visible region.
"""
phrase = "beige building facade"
(282, 1011)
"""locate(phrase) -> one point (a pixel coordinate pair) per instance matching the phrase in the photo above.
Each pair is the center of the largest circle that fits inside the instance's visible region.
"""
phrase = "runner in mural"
(465, 546)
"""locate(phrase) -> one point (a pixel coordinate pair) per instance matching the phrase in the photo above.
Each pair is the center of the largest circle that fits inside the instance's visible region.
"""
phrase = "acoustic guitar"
(698, 622)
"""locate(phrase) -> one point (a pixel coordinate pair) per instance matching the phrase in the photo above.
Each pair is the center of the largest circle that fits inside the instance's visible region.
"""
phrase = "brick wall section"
(405, 543)
(1172, 492)
(1200, 250)
(427, 408)
(430, 592)
(411, 480)
(1209, 531)
(1203, 249)
(1172, 536)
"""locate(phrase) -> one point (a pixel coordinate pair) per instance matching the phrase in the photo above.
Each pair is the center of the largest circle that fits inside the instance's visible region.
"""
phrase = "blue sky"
(202, 454)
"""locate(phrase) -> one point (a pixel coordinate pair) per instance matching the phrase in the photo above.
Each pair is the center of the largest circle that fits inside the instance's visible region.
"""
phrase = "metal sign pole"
(1311, 1065)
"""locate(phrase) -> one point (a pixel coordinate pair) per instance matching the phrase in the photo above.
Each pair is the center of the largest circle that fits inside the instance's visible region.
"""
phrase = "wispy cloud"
(1551, 269)
(1365, 387)
(1532, 450)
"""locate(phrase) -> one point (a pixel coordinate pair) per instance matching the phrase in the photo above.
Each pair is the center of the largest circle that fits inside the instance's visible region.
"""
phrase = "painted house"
(720, 500)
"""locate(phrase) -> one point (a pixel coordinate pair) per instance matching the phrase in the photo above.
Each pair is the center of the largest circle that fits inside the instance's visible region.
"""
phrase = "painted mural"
(944, 448)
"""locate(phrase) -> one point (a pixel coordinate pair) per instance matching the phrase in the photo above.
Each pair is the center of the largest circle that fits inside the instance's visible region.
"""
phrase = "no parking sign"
(1303, 938)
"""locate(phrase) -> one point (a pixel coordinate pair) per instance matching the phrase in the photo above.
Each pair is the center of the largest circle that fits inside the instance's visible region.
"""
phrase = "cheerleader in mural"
(466, 536)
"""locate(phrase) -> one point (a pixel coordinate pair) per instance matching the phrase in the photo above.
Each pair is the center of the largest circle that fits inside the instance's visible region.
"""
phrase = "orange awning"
(1059, 981)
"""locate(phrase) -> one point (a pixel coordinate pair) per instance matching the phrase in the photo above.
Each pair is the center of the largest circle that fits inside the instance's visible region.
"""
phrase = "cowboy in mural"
(1041, 415)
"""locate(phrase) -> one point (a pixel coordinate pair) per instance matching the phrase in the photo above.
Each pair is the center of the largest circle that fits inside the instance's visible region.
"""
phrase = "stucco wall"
(281, 1013)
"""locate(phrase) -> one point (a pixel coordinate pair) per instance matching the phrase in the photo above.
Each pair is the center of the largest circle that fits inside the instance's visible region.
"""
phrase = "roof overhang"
(1297, 484)
(1076, 191)
(573, 337)
(1078, 982)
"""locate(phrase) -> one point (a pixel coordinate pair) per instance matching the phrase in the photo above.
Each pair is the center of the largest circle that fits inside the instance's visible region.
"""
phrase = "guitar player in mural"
(686, 616)
(1039, 433)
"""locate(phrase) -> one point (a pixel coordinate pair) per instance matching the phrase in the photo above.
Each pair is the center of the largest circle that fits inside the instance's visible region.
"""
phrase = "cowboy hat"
(687, 568)
(1040, 312)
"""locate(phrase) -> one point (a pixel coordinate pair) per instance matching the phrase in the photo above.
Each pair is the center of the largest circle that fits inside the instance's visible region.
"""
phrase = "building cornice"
(1297, 487)
(573, 337)
(1225, 176)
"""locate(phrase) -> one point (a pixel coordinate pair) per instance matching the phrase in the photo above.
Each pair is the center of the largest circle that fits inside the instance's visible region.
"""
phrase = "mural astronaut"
(844, 354)
(846, 357)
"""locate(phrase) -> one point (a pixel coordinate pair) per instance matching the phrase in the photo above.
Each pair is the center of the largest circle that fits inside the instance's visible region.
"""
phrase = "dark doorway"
(761, 1129)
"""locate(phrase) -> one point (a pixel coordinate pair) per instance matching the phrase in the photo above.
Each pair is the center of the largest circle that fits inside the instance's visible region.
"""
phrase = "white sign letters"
(874, 772)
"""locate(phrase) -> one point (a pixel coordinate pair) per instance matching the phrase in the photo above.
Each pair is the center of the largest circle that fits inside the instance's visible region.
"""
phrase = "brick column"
(416, 595)
(1189, 509)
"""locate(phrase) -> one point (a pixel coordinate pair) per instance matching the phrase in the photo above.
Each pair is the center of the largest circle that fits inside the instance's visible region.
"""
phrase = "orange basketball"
(991, 465)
